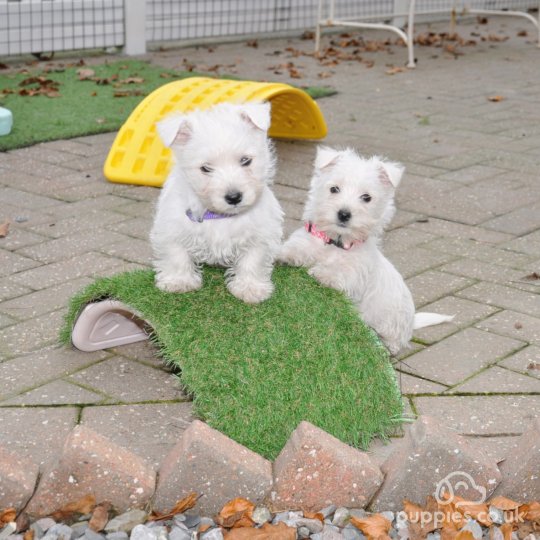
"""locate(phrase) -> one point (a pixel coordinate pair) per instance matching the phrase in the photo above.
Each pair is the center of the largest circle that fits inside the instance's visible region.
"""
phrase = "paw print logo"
(447, 488)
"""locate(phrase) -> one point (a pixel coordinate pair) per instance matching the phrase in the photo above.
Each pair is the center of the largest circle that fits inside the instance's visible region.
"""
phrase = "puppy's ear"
(257, 114)
(174, 129)
(390, 172)
(325, 157)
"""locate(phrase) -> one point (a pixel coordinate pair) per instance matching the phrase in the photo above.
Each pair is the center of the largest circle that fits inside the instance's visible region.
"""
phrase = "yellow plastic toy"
(138, 156)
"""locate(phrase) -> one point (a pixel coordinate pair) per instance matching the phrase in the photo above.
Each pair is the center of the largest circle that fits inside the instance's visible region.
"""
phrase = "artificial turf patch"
(256, 371)
(99, 104)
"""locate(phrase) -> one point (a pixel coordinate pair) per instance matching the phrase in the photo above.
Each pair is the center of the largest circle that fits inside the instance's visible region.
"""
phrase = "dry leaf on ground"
(375, 527)
(266, 532)
(506, 529)
(236, 513)
(180, 507)
(4, 229)
(7, 515)
(531, 510)
(495, 99)
(394, 70)
(29, 534)
(82, 506)
(419, 525)
(503, 503)
(85, 74)
(477, 511)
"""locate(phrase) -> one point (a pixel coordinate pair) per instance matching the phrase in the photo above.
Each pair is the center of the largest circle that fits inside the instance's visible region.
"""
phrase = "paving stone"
(478, 251)
(93, 219)
(18, 477)
(137, 227)
(30, 335)
(25, 372)
(497, 379)
(31, 201)
(143, 351)
(516, 325)
(56, 393)
(128, 381)
(530, 244)
(19, 237)
(10, 289)
(432, 285)
(130, 249)
(469, 175)
(75, 244)
(520, 472)
(526, 360)
(465, 311)
(459, 356)
(6, 321)
(48, 275)
(404, 238)
(36, 433)
(518, 222)
(10, 263)
(484, 271)
(37, 303)
(162, 424)
(209, 463)
(430, 453)
(503, 297)
(410, 385)
(495, 447)
(482, 415)
(417, 260)
(90, 463)
(315, 469)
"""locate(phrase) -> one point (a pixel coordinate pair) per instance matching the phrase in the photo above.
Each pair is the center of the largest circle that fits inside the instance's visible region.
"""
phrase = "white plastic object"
(105, 324)
(6, 121)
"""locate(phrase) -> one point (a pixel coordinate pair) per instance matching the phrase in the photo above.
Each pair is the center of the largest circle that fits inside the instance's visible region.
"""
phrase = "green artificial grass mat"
(83, 107)
(256, 371)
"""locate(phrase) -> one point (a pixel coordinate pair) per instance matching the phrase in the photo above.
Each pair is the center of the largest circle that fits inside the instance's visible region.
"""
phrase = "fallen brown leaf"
(236, 513)
(479, 512)
(532, 510)
(534, 365)
(188, 502)
(4, 230)
(375, 527)
(252, 43)
(266, 532)
(464, 535)
(495, 99)
(394, 70)
(522, 33)
(128, 93)
(506, 529)
(419, 526)
(7, 515)
(132, 80)
(314, 515)
(29, 534)
(503, 503)
(82, 506)
(532, 277)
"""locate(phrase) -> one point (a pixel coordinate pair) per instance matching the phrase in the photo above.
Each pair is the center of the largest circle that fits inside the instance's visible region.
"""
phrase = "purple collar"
(207, 215)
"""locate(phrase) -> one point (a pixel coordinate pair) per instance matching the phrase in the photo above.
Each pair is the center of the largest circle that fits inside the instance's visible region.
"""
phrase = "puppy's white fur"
(219, 151)
(364, 188)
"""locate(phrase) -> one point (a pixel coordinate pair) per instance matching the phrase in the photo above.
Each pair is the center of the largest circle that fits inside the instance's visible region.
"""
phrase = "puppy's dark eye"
(366, 197)
(206, 169)
(246, 161)
(334, 189)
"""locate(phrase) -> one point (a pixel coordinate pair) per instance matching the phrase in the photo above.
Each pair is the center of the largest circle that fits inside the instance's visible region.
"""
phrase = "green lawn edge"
(85, 107)
(255, 372)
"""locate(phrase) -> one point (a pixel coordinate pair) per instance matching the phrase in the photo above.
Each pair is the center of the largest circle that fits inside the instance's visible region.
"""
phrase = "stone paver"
(465, 235)
(18, 477)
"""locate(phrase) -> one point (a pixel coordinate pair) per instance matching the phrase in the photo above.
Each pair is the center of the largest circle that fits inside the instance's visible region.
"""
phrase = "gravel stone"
(313, 525)
(213, 534)
(303, 532)
(496, 515)
(89, 534)
(352, 533)
(142, 532)
(474, 527)
(126, 522)
(192, 521)
(120, 535)
(45, 524)
(179, 534)
(78, 529)
(10, 528)
(341, 516)
(261, 515)
(328, 511)
(62, 532)
(390, 516)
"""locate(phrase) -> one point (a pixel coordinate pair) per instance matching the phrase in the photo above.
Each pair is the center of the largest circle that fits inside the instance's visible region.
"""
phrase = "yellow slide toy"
(138, 155)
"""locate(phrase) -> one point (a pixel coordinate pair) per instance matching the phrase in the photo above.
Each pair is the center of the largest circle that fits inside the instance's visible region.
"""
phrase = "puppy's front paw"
(178, 283)
(250, 291)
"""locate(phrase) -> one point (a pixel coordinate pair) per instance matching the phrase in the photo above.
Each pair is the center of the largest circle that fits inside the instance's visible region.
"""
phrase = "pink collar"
(312, 229)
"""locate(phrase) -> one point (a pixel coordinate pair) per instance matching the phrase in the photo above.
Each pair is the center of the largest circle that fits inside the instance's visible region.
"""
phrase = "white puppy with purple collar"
(216, 206)
(349, 203)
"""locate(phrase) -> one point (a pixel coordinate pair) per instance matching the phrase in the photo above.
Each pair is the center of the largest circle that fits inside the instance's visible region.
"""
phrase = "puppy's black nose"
(344, 215)
(233, 197)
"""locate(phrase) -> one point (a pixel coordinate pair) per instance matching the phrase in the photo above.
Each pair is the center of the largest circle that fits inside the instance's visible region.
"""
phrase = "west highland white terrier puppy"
(349, 203)
(216, 207)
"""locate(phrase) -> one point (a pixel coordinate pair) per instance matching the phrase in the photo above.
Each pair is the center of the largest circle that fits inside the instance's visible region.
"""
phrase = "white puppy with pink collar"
(349, 203)
(216, 206)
